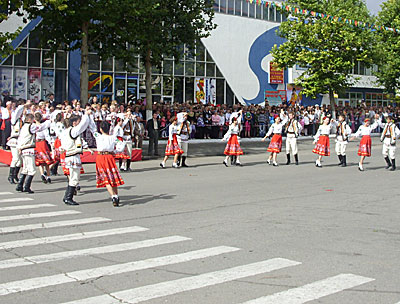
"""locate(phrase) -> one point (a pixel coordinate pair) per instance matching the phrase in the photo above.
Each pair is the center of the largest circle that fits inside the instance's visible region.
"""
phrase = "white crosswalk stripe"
(90, 251)
(16, 200)
(314, 290)
(24, 207)
(158, 290)
(70, 237)
(37, 215)
(54, 224)
(6, 193)
(40, 282)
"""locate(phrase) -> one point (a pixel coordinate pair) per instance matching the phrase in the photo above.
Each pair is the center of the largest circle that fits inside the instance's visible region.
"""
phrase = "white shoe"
(174, 165)
(275, 164)
(268, 162)
(360, 167)
(318, 164)
(162, 165)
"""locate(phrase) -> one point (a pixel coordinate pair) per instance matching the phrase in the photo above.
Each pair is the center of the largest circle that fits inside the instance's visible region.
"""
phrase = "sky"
(374, 5)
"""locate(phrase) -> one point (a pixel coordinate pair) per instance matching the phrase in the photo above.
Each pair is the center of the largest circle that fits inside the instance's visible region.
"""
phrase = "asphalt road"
(208, 234)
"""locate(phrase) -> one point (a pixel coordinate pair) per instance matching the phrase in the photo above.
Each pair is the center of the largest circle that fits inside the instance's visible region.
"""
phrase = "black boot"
(28, 183)
(288, 159)
(233, 160)
(340, 160)
(184, 161)
(115, 201)
(16, 179)
(21, 182)
(344, 162)
(296, 158)
(128, 165)
(393, 168)
(54, 169)
(11, 175)
(388, 163)
(179, 160)
(120, 165)
(69, 194)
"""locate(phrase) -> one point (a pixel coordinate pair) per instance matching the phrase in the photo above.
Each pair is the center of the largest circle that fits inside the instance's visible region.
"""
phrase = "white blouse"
(277, 128)
(173, 129)
(105, 143)
(366, 131)
(323, 130)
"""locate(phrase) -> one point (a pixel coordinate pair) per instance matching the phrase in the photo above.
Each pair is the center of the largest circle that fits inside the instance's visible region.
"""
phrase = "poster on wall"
(200, 94)
(5, 80)
(211, 90)
(275, 98)
(94, 82)
(20, 81)
(293, 95)
(47, 83)
(276, 75)
(34, 76)
(133, 84)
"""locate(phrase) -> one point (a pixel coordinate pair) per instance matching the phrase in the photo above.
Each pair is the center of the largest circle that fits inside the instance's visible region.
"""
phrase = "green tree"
(79, 25)
(157, 29)
(328, 48)
(388, 47)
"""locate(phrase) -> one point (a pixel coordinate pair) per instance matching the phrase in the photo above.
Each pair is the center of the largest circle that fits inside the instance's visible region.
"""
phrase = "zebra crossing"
(303, 294)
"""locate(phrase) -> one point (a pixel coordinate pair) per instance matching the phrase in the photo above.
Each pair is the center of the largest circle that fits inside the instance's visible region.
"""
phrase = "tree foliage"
(388, 47)
(326, 48)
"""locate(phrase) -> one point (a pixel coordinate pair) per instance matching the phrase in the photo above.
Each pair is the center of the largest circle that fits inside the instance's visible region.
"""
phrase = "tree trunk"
(332, 102)
(85, 64)
(149, 95)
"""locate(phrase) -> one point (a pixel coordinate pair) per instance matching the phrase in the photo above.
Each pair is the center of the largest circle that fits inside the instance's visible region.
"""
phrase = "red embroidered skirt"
(275, 145)
(56, 152)
(365, 146)
(233, 146)
(107, 172)
(62, 163)
(43, 154)
(323, 147)
(173, 147)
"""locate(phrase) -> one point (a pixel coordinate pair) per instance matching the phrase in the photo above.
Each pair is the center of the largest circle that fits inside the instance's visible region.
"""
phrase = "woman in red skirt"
(232, 147)
(275, 146)
(121, 152)
(321, 141)
(172, 145)
(107, 174)
(365, 131)
(43, 157)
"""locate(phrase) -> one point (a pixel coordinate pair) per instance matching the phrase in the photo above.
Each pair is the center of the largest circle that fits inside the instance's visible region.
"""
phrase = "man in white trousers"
(293, 129)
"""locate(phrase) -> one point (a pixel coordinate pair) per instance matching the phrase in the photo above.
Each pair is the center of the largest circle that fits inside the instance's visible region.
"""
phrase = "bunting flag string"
(296, 10)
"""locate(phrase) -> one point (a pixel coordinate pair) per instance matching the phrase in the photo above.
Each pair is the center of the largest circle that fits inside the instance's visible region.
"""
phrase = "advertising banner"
(200, 93)
(5, 80)
(20, 81)
(276, 75)
(47, 83)
(34, 76)
(293, 95)
(275, 98)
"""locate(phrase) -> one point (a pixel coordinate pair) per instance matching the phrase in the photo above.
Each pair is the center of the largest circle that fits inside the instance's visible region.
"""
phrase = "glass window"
(8, 61)
(20, 59)
(94, 82)
(258, 11)
(107, 65)
(61, 85)
(356, 70)
(94, 62)
(48, 60)
(61, 60)
(179, 68)
(189, 89)
(168, 67)
(156, 84)
(265, 13)
(230, 6)
(156, 69)
(106, 82)
(24, 43)
(119, 65)
(210, 70)
(189, 68)
(34, 40)
(219, 74)
(362, 68)
(132, 87)
(252, 10)
(220, 91)
(34, 58)
(209, 59)
(120, 91)
(278, 15)
(167, 86)
(245, 9)
(178, 89)
(134, 66)
(238, 5)
(271, 12)
(199, 69)
(216, 6)
(229, 95)
(222, 6)
(200, 51)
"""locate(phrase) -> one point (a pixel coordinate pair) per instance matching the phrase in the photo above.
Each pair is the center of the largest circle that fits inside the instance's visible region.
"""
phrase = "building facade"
(233, 65)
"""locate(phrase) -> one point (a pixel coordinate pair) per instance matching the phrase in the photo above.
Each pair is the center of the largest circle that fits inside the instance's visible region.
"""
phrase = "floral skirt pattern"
(56, 152)
(275, 146)
(323, 147)
(63, 165)
(233, 146)
(107, 172)
(43, 154)
(365, 146)
(173, 147)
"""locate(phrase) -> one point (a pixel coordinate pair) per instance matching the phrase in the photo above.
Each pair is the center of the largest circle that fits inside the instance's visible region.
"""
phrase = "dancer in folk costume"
(343, 131)
(275, 146)
(388, 138)
(239, 117)
(26, 147)
(365, 131)
(56, 129)
(107, 174)
(292, 129)
(183, 137)
(128, 139)
(173, 147)
(321, 141)
(43, 151)
(16, 161)
(72, 145)
(232, 147)
(120, 147)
